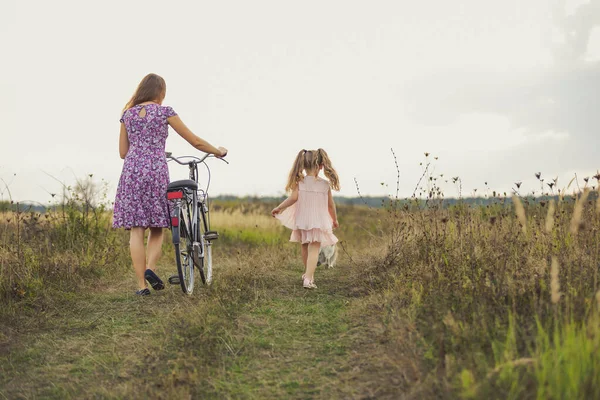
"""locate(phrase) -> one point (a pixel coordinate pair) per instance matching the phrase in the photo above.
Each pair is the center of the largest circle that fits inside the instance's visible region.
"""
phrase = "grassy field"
(497, 301)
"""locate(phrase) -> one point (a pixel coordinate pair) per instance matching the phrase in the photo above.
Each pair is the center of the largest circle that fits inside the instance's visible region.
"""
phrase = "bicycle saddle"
(185, 183)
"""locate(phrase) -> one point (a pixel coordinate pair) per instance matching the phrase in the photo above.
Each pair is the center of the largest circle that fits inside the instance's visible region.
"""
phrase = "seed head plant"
(554, 281)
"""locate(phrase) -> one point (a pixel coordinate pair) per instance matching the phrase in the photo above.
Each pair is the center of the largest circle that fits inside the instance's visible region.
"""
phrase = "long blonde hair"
(310, 160)
(151, 87)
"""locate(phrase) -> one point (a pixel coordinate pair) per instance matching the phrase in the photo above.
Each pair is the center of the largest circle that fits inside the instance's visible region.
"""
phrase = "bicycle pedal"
(174, 279)
(211, 235)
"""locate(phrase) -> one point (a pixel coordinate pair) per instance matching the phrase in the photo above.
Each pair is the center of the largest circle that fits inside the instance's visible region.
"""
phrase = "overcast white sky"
(497, 89)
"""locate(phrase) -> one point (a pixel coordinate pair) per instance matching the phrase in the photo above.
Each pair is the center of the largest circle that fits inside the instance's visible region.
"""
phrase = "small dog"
(328, 255)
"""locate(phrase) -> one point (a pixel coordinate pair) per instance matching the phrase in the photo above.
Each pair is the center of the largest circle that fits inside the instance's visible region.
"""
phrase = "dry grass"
(554, 281)
(466, 291)
(425, 303)
(62, 249)
(550, 216)
(238, 219)
(520, 211)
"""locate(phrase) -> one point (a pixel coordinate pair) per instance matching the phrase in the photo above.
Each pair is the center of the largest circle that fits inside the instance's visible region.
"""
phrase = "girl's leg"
(304, 255)
(311, 262)
(155, 240)
(138, 254)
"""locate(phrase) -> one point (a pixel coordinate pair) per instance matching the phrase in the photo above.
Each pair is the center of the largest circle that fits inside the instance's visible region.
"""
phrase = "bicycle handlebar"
(196, 160)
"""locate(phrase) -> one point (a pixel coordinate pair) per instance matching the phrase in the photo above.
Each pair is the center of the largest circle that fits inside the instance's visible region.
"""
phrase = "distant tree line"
(370, 201)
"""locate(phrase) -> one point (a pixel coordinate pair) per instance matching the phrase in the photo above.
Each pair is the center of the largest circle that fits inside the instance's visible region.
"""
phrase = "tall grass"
(498, 300)
(62, 248)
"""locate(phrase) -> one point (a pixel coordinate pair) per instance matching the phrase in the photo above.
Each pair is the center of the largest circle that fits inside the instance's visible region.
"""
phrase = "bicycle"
(190, 224)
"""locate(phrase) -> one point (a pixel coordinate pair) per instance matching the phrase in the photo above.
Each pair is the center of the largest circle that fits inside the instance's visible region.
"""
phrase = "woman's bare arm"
(199, 143)
(123, 142)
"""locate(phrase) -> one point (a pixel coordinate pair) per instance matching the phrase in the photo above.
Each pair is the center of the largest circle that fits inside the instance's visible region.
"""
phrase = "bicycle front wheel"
(184, 251)
(205, 267)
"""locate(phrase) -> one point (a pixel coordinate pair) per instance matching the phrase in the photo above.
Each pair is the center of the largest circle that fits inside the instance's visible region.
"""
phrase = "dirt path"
(250, 335)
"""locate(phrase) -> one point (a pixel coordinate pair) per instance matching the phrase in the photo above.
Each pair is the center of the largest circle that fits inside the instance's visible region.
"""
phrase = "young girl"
(309, 210)
(141, 200)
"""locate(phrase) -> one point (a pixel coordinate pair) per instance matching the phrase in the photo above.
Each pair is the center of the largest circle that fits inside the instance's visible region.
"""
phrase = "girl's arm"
(332, 210)
(286, 203)
(123, 141)
(199, 143)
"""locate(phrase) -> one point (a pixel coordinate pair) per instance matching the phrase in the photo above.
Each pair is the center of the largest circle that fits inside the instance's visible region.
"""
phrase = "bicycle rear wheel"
(184, 250)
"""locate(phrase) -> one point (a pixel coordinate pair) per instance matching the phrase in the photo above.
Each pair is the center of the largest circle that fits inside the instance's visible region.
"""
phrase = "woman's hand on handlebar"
(223, 151)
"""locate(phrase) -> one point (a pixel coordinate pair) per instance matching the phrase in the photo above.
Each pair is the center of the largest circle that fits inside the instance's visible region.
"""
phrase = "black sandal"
(154, 280)
(143, 292)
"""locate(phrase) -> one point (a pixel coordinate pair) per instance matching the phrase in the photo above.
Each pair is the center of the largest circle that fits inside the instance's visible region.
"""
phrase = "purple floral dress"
(141, 199)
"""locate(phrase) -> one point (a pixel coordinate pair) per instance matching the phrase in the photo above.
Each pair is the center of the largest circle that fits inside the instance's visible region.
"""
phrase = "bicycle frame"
(190, 219)
(192, 199)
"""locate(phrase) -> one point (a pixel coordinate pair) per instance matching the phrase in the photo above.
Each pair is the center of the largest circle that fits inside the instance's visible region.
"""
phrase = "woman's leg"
(155, 240)
(311, 262)
(138, 254)
(304, 255)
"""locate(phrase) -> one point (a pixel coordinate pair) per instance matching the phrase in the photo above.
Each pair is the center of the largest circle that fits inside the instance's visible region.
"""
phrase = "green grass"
(425, 303)
(568, 365)
(252, 237)
(256, 333)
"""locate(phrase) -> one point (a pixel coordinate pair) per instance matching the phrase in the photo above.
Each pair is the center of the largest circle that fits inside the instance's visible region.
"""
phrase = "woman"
(141, 200)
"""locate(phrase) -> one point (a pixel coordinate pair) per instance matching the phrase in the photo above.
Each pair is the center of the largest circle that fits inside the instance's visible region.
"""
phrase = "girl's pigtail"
(311, 160)
(296, 172)
(330, 173)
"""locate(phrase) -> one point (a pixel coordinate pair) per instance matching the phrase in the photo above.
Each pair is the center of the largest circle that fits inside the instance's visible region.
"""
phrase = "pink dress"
(309, 218)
